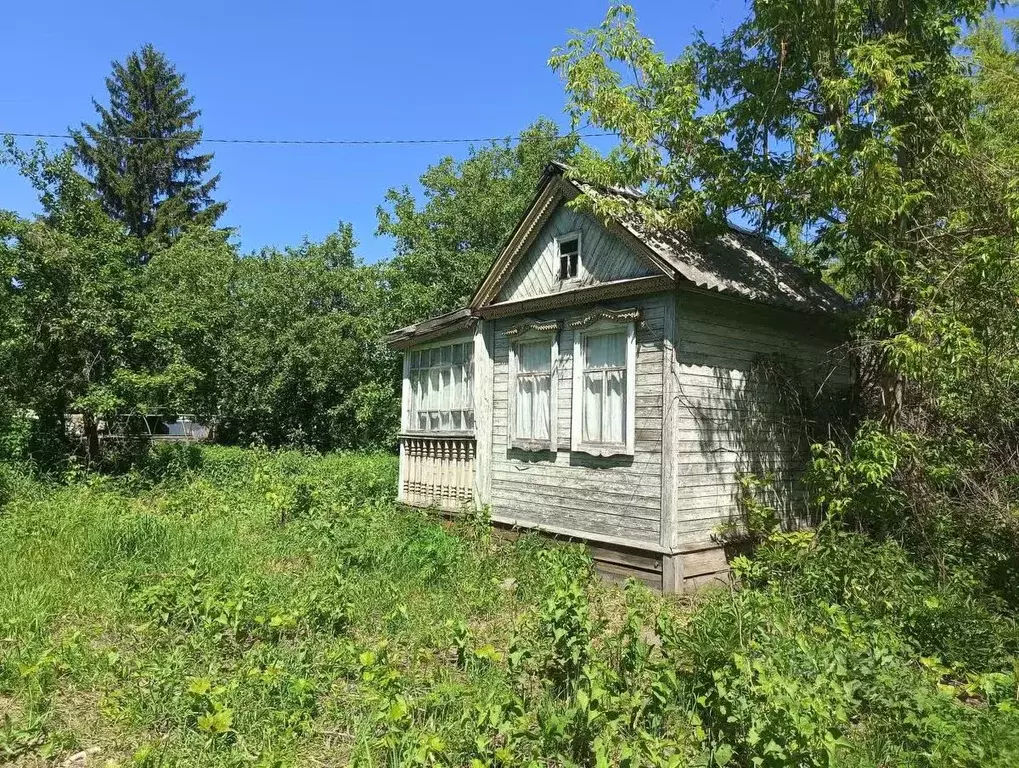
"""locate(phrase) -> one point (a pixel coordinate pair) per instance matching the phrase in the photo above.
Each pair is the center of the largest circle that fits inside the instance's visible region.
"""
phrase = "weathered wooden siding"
(604, 257)
(616, 498)
(732, 413)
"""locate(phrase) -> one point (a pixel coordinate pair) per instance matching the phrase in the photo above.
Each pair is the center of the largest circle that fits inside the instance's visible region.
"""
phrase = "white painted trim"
(402, 473)
(577, 443)
(405, 398)
(631, 388)
(530, 337)
(406, 395)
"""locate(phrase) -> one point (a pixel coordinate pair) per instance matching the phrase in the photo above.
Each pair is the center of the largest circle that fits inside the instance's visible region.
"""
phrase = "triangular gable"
(737, 263)
(525, 267)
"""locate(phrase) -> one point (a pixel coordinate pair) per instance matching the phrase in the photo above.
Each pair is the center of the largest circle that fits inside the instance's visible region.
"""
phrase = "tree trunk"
(91, 429)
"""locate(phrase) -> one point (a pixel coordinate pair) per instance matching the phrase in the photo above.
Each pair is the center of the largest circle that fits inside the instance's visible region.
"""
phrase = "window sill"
(602, 449)
(438, 434)
(537, 446)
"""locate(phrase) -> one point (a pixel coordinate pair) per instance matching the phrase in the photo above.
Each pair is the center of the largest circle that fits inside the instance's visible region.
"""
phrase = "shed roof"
(434, 327)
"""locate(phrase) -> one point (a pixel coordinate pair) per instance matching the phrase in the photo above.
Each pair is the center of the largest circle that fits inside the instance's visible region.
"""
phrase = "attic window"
(569, 256)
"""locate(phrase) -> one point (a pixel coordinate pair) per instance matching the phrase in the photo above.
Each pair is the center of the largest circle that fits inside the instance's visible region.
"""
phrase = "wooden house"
(613, 386)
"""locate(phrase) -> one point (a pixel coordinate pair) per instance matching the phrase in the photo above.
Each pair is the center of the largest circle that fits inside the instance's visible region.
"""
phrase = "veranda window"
(442, 388)
(533, 391)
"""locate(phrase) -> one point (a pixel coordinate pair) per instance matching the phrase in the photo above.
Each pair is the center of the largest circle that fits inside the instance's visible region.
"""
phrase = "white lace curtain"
(604, 412)
(442, 388)
(534, 387)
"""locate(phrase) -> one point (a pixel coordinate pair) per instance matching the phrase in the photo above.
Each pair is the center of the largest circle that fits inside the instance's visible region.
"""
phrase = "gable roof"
(737, 262)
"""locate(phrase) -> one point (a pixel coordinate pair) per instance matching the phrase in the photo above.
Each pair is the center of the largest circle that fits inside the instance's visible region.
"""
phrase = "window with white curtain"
(604, 414)
(533, 384)
(603, 388)
(533, 391)
(442, 388)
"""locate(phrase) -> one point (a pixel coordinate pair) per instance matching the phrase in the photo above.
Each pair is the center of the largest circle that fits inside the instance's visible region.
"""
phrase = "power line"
(316, 142)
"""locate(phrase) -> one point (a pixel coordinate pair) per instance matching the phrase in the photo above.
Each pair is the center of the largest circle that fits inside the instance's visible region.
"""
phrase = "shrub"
(169, 462)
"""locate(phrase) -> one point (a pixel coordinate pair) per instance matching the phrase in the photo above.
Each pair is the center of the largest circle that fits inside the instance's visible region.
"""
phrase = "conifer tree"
(140, 156)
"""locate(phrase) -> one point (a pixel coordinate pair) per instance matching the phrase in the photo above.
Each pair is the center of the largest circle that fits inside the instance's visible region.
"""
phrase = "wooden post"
(672, 574)
(405, 398)
(483, 407)
(670, 420)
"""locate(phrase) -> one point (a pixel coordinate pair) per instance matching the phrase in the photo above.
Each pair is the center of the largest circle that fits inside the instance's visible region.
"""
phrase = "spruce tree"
(140, 156)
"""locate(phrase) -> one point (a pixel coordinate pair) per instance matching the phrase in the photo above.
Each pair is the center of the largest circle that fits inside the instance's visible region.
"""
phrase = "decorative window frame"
(595, 322)
(579, 236)
(533, 330)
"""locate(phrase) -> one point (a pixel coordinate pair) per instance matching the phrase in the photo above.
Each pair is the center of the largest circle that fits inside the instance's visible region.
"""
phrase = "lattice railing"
(437, 471)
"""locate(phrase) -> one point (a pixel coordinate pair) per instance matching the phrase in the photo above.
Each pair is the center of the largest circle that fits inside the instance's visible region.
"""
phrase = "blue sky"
(328, 70)
(305, 70)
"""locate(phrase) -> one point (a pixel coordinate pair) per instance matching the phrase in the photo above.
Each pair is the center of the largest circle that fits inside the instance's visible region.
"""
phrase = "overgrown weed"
(281, 609)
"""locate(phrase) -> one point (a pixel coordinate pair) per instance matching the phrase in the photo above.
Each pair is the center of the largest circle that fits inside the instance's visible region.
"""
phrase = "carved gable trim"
(532, 324)
(599, 314)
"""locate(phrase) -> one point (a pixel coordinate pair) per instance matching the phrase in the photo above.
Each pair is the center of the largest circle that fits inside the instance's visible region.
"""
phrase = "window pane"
(433, 389)
(592, 416)
(614, 407)
(524, 406)
(458, 387)
(468, 419)
(446, 354)
(534, 357)
(542, 412)
(447, 388)
(458, 354)
(606, 351)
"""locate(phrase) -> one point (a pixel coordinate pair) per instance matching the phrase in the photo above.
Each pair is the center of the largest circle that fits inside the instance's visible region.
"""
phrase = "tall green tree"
(864, 135)
(839, 127)
(304, 362)
(184, 309)
(445, 245)
(68, 280)
(141, 154)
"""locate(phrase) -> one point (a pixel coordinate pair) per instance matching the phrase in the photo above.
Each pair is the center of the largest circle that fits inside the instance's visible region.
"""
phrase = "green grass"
(230, 607)
(267, 608)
